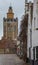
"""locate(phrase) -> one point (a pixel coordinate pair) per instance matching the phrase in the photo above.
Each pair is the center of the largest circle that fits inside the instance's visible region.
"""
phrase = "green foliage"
(23, 28)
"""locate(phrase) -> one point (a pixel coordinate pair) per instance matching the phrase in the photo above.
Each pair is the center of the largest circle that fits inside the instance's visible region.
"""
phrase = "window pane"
(14, 28)
(37, 52)
(34, 53)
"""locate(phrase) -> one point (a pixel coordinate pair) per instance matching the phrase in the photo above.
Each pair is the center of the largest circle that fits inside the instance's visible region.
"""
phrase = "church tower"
(10, 25)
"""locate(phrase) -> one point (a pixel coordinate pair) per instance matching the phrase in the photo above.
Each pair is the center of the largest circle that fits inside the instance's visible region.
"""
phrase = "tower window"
(4, 28)
(14, 28)
(8, 28)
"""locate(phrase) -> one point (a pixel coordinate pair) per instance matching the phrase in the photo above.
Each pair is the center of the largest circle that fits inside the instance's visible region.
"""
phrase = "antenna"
(10, 3)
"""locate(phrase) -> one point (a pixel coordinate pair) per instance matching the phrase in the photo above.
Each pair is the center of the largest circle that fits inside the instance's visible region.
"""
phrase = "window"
(37, 52)
(9, 29)
(34, 53)
(37, 8)
(4, 27)
(34, 22)
(30, 53)
(14, 28)
(31, 37)
(37, 15)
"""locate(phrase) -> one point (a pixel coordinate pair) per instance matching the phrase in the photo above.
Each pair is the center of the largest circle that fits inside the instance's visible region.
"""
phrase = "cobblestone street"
(10, 59)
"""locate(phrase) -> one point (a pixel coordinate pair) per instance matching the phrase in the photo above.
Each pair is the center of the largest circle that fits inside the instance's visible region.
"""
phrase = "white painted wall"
(34, 26)
(29, 27)
(34, 31)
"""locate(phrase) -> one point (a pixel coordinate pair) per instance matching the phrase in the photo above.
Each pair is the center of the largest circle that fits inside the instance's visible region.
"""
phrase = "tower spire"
(10, 14)
(26, 1)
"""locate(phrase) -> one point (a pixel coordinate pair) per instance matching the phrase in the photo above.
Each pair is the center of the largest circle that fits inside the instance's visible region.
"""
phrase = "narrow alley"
(10, 59)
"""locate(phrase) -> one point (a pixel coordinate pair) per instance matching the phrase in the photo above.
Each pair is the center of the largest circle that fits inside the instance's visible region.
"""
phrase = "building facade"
(10, 25)
(29, 11)
(34, 49)
(32, 34)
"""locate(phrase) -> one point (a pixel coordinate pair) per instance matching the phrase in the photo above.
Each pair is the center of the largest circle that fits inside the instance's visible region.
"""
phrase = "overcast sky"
(18, 8)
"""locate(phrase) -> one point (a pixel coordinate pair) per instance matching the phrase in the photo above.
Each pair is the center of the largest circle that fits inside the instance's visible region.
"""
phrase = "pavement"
(10, 59)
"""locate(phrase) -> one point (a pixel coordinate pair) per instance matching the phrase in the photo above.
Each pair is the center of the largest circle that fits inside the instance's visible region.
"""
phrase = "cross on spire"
(10, 3)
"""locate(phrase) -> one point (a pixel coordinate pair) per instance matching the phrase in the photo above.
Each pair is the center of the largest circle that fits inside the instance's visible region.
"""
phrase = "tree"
(23, 34)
